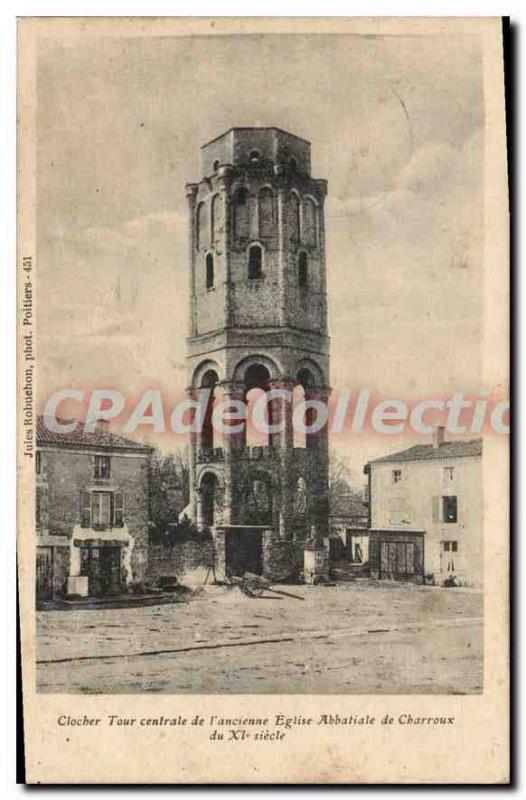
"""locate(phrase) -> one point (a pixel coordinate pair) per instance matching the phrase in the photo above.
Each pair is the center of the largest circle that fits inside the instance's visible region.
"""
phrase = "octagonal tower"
(258, 321)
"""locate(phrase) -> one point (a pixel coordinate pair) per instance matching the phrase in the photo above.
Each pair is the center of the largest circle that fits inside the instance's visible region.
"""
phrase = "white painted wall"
(408, 504)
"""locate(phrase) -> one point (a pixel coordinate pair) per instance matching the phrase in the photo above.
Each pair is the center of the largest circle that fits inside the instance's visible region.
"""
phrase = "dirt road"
(351, 638)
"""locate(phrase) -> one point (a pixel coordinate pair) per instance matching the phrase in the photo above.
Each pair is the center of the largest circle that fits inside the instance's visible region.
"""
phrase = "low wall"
(281, 557)
(189, 561)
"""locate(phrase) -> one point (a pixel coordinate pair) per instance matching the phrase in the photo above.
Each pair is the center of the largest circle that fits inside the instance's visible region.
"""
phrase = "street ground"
(355, 638)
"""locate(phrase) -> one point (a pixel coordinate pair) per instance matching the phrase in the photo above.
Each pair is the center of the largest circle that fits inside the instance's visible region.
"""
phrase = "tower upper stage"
(244, 147)
(257, 243)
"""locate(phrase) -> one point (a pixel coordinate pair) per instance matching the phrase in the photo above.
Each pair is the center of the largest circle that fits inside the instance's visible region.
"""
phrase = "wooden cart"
(254, 586)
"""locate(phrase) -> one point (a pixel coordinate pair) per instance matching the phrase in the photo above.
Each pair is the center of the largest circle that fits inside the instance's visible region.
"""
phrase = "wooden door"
(102, 565)
(44, 577)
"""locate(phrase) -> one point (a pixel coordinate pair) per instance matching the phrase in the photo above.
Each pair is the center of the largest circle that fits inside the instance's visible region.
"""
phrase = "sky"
(397, 128)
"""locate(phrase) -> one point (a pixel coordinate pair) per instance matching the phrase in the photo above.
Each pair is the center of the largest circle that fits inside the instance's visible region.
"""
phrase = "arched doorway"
(209, 500)
(209, 382)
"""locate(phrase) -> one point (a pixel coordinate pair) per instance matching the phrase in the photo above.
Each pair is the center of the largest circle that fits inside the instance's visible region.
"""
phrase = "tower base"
(257, 549)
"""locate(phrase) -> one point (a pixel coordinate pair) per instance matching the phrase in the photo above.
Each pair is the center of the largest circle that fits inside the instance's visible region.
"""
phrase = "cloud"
(437, 164)
(139, 231)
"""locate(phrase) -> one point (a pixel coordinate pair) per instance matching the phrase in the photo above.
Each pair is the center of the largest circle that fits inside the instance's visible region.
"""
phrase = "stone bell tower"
(258, 321)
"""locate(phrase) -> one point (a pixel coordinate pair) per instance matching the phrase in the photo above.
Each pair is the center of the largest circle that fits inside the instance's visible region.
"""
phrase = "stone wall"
(188, 561)
(282, 558)
(67, 472)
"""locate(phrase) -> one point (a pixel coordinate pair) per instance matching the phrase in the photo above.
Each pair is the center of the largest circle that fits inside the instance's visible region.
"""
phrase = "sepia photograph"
(260, 400)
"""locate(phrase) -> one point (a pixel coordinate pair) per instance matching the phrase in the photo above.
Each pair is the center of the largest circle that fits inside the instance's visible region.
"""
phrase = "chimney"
(102, 426)
(438, 437)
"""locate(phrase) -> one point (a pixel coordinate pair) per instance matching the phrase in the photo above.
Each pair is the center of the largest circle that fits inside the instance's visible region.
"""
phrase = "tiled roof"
(352, 505)
(426, 452)
(99, 439)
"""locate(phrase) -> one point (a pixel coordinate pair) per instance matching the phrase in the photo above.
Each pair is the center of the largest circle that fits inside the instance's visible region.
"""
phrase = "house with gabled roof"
(92, 508)
(426, 512)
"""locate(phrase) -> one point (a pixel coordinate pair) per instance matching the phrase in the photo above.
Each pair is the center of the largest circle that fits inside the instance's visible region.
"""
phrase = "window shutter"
(118, 509)
(85, 510)
(435, 508)
(454, 508)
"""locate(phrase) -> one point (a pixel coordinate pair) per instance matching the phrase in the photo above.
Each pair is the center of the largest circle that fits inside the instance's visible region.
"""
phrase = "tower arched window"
(266, 212)
(303, 270)
(294, 217)
(241, 217)
(306, 385)
(256, 386)
(217, 222)
(209, 269)
(255, 262)
(200, 226)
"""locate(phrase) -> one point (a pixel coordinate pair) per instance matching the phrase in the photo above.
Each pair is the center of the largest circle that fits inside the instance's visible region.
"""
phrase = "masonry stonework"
(258, 322)
(66, 522)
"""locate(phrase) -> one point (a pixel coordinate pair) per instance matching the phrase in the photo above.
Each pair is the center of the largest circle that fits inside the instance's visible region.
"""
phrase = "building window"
(255, 155)
(449, 549)
(397, 476)
(38, 462)
(102, 509)
(293, 165)
(255, 262)
(216, 165)
(209, 271)
(449, 474)
(303, 276)
(449, 509)
(102, 466)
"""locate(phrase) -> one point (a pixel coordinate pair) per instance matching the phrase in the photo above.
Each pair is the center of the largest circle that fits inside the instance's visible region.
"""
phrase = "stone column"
(232, 448)
(283, 447)
(283, 244)
(224, 181)
(322, 191)
(199, 509)
(192, 394)
(318, 446)
(191, 196)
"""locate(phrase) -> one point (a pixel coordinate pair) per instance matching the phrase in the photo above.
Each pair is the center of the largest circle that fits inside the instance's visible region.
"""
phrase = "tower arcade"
(258, 321)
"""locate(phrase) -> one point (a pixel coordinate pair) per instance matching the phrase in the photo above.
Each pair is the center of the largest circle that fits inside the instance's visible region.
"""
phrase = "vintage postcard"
(263, 310)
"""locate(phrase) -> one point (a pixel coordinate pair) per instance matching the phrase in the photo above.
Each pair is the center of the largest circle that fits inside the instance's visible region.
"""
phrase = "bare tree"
(339, 475)
(169, 487)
